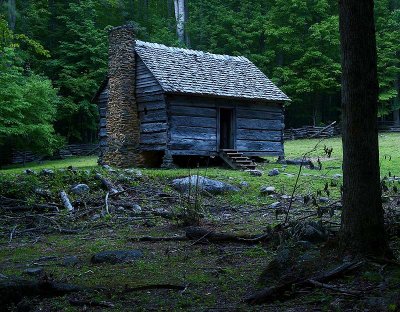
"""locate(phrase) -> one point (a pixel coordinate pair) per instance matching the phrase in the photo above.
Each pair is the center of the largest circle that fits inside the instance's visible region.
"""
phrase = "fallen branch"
(160, 239)
(88, 303)
(202, 235)
(276, 292)
(156, 286)
(13, 290)
(107, 184)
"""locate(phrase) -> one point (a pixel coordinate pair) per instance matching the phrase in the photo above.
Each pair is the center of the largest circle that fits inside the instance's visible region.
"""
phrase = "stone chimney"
(122, 120)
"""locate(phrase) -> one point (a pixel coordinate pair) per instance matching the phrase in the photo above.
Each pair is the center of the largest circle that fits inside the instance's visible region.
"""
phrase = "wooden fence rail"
(67, 151)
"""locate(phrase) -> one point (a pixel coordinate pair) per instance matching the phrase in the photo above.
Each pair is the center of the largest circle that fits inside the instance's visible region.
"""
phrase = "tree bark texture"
(362, 219)
(180, 16)
(12, 14)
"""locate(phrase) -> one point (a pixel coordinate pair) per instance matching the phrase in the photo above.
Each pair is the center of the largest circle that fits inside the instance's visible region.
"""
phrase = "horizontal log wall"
(152, 110)
(194, 124)
(259, 129)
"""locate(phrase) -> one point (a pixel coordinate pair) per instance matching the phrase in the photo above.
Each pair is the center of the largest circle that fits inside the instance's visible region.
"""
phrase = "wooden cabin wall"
(102, 104)
(259, 129)
(194, 126)
(152, 110)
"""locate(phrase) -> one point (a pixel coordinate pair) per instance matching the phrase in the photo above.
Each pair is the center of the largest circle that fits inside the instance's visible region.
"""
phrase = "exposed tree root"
(277, 292)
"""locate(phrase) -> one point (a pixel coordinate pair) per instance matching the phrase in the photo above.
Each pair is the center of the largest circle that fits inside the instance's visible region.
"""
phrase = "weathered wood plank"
(193, 152)
(155, 105)
(264, 146)
(257, 114)
(149, 97)
(193, 122)
(193, 111)
(103, 122)
(185, 100)
(259, 124)
(147, 90)
(153, 127)
(195, 145)
(153, 147)
(103, 112)
(193, 133)
(259, 135)
(153, 116)
(157, 138)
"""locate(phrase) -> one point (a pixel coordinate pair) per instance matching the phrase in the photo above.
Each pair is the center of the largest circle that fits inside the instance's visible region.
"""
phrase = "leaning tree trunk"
(362, 219)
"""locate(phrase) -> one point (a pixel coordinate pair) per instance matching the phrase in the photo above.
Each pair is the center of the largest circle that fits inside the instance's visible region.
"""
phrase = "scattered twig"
(66, 201)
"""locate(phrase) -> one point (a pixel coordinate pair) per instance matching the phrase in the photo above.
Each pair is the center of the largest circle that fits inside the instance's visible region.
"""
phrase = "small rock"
(313, 233)
(203, 184)
(107, 167)
(80, 189)
(273, 172)
(136, 208)
(289, 175)
(70, 261)
(96, 217)
(267, 190)
(337, 176)
(33, 271)
(47, 172)
(135, 172)
(117, 256)
(255, 173)
(274, 205)
(29, 171)
(121, 209)
(244, 184)
(323, 199)
(2, 276)
(286, 197)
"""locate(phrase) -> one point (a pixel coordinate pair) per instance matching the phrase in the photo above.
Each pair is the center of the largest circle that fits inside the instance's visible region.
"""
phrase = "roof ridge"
(141, 43)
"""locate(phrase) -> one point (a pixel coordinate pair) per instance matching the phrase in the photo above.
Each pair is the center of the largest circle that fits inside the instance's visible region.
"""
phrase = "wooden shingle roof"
(201, 73)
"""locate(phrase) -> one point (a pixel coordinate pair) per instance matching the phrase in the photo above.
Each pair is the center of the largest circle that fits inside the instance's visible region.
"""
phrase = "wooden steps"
(236, 159)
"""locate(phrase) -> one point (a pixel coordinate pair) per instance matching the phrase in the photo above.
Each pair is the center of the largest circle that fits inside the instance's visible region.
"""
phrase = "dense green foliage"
(28, 101)
(295, 42)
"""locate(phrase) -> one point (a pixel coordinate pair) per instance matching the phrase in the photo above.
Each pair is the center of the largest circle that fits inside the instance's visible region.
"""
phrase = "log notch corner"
(122, 147)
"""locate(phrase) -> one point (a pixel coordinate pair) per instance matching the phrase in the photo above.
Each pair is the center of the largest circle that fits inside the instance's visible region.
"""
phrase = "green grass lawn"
(310, 181)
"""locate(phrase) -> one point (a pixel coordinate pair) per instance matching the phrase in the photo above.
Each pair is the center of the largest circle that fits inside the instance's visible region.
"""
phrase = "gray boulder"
(33, 271)
(47, 172)
(116, 256)
(29, 171)
(244, 184)
(80, 189)
(70, 261)
(274, 205)
(323, 199)
(255, 173)
(273, 172)
(267, 190)
(203, 184)
(136, 208)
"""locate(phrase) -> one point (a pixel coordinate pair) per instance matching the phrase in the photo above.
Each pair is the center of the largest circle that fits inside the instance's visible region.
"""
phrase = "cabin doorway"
(226, 128)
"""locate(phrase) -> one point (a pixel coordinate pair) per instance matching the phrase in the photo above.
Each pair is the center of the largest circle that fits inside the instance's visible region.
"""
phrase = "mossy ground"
(217, 276)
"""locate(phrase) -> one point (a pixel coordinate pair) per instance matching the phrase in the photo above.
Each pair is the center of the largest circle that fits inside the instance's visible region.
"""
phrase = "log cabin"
(160, 102)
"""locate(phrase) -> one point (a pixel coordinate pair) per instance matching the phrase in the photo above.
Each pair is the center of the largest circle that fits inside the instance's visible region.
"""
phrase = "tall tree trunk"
(180, 16)
(12, 14)
(362, 218)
